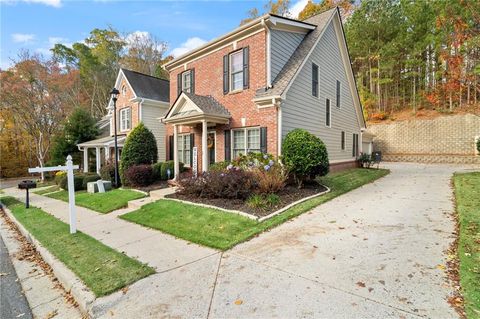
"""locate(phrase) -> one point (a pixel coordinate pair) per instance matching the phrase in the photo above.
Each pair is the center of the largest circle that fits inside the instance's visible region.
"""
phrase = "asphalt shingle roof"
(208, 104)
(289, 70)
(148, 87)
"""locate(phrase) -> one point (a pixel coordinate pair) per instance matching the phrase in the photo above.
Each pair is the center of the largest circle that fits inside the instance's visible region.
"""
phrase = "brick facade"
(446, 139)
(123, 101)
(209, 81)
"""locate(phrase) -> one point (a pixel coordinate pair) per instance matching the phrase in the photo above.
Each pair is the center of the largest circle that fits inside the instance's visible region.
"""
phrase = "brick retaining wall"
(447, 139)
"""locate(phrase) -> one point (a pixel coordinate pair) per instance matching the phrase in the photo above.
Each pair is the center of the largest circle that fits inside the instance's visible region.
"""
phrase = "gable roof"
(148, 87)
(286, 75)
(205, 105)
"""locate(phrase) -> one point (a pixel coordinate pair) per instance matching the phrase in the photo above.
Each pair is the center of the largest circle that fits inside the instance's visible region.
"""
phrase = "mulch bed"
(154, 186)
(287, 196)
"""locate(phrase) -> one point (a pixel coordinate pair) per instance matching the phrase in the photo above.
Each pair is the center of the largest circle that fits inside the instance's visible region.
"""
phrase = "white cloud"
(23, 38)
(51, 3)
(297, 8)
(189, 45)
(137, 35)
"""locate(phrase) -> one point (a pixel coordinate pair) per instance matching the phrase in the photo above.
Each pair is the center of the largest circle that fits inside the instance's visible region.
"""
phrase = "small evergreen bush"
(89, 178)
(304, 155)
(157, 171)
(170, 165)
(77, 182)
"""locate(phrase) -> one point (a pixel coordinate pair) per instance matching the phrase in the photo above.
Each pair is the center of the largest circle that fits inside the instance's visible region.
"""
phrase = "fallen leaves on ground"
(51, 314)
(361, 284)
(238, 302)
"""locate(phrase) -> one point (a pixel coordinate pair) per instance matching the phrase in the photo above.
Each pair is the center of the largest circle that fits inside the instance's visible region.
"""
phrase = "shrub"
(269, 178)
(263, 201)
(170, 165)
(304, 155)
(478, 144)
(140, 148)
(157, 171)
(139, 175)
(231, 184)
(107, 172)
(365, 160)
(219, 166)
(253, 160)
(77, 182)
(59, 176)
(89, 178)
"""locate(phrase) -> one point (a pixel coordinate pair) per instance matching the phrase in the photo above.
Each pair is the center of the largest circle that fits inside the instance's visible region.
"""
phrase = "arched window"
(124, 90)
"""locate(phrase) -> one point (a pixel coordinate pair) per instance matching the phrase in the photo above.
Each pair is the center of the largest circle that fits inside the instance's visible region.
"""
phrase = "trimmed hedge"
(139, 175)
(77, 183)
(89, 178)
(304, 155)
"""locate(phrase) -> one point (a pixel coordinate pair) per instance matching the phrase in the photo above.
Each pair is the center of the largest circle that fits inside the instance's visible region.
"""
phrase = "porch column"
(204, 146)
(176, 165)
(85, 159)
(107, 154)
(97, 155)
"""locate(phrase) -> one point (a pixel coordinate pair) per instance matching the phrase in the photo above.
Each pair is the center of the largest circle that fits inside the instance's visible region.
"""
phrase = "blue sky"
(38, 24)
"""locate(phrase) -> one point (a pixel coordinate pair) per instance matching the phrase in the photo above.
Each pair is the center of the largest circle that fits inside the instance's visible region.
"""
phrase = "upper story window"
(328, 114)
(124, 90)
(125, 119)
(338, 93)
(186, 82)
(314, 80)
(236, 71)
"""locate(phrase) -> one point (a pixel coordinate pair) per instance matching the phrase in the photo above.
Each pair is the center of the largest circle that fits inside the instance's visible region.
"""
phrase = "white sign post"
(194, 161)
(71, 187)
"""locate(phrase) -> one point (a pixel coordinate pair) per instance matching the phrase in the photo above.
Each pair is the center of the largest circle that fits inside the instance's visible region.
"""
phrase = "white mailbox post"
(69, 167)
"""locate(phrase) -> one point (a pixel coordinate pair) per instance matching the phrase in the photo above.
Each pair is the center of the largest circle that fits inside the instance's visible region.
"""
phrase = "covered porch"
(104, 151)
(200, 113)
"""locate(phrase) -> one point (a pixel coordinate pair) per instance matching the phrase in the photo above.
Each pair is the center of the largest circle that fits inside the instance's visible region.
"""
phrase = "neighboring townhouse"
(247, 89)
(142, 98)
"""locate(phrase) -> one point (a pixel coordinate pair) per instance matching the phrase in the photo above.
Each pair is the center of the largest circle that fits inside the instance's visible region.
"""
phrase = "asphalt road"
(12, 302)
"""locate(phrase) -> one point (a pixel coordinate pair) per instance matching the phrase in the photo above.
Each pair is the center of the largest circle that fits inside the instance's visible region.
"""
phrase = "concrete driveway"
(376, 252)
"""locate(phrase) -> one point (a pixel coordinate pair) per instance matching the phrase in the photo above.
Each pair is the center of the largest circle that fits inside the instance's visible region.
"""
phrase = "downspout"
(268, 54)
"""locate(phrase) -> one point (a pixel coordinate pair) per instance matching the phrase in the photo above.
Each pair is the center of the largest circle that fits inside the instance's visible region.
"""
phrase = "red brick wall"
(209, 81)
(124, 101)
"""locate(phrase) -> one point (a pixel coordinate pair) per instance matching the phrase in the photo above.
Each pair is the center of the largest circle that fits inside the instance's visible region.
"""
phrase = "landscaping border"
(253, 217)
(70, 282)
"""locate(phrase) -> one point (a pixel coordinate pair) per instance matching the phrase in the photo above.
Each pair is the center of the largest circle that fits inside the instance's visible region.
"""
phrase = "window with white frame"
(245, 140)
(184, 148)
(236, 71)
(125, 119)
(124, 90)
(187, 81)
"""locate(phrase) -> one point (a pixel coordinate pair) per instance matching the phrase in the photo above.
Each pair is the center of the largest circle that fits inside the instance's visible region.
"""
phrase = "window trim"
(328, 115)
(245, 136)
(183, 136)
(189, 72)
(230, 72)
(315, 82)
(121, 119)
(124, 90)
(342, 142)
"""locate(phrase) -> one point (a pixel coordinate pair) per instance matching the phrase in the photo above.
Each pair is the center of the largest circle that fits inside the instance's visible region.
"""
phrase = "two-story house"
(245, 90)
(142, 98)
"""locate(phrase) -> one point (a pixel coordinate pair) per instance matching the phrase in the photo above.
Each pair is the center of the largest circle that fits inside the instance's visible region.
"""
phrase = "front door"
(211, 141)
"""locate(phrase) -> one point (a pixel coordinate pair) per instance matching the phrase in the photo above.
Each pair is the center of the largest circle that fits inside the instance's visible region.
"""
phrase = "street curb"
(70, 282)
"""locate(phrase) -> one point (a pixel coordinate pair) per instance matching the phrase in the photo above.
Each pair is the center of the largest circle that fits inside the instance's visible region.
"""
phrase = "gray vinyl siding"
(302, 110)
(150, 115)
(283, 44)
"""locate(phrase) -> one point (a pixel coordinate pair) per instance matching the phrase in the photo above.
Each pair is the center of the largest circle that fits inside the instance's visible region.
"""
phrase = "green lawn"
(222, 230)
(467, 193)
(102, 269)
(46, 190)
(100, 202)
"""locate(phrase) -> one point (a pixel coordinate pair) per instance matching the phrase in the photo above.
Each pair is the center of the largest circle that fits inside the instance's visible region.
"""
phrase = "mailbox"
(26, 185)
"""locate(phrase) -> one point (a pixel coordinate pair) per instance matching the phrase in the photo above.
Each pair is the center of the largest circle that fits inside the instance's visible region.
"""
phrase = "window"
(314, 80)
(355, 145)
(236, 71)
(125, 119)
(187, 81)
(184, 148)
(124, 90)
(328, 115)
(338, 93)
(245, 141)
(343, 141)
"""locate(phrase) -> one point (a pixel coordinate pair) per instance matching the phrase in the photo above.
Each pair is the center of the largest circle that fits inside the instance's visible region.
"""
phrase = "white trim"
(245, 136)
(230, 73)
(268, 54)
(121, 120)
(293, 23)
(182, 136)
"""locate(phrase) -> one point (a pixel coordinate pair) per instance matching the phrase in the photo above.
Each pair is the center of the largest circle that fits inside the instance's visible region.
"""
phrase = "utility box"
(92, 187)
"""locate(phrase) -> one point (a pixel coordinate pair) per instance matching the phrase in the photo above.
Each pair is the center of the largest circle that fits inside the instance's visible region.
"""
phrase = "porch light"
(114, 95)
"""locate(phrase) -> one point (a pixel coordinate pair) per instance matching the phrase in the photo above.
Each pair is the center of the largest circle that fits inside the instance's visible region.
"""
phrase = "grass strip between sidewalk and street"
(221, 230)
(467, 194)
(102, 269)
(100, 202)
